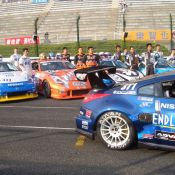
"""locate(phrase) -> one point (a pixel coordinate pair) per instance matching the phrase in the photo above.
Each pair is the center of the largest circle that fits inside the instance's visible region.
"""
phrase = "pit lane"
(38, 137)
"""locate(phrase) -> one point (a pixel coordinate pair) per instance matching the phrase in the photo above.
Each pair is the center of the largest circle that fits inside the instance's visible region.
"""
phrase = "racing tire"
(46, 90)
(116, 131)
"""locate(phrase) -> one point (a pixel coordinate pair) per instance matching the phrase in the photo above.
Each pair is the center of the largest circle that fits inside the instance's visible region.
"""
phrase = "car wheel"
(116, 131)
(46, 90)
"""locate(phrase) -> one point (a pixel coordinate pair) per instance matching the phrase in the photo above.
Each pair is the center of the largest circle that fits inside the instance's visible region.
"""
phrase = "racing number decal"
(129, 87)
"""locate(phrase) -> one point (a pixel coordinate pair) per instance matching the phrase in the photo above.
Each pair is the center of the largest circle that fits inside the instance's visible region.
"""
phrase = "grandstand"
(99, 19)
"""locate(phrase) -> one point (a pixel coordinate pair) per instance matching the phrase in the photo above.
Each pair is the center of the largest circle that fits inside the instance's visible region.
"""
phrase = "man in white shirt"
(15, 57)
(25, 62)
(158, 53)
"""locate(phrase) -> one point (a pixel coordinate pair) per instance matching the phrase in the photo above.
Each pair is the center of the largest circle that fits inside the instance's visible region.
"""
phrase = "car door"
(164, 116)
(146, 109)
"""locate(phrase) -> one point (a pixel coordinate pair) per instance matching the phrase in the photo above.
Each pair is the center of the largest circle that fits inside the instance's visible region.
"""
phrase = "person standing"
(158, 53)
(148, 59)
(14, 58)
(79, 59)
(65, 55)
(91, 59)
(124, 54)
(132, 59)
(25, 62)
(117, 55)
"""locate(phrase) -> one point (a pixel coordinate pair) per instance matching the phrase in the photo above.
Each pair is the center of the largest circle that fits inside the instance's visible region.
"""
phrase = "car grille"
(12, 94)
(77, 92)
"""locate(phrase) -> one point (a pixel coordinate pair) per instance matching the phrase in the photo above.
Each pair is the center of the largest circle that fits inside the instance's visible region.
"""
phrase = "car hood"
(64, 74)
(13, 77)
(127, 72)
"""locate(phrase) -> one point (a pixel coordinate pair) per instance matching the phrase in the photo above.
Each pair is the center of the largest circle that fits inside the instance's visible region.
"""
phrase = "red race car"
(56, 79)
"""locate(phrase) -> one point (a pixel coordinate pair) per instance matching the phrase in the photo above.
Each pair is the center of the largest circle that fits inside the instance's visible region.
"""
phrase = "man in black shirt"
(64, 55)
(79, 59)
(91, 59)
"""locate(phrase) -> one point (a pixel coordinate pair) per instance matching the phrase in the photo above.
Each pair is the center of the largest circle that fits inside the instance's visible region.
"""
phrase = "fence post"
(35, 37)
(78, 33)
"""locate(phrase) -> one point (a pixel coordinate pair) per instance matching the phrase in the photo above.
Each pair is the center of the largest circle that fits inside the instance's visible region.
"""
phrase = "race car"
(160, 66)
(56, 79)
(123, 73)
(15, 84)
(164, 65)
(122, 115)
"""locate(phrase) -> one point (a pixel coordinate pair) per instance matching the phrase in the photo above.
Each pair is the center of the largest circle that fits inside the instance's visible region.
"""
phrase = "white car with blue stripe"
(15, 84)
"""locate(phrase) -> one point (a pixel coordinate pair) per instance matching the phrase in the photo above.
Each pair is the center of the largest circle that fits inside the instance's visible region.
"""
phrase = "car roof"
(45, 61)
(167, 76)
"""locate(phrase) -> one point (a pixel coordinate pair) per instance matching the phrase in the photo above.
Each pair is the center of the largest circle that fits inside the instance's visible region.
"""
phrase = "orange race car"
(56, 79)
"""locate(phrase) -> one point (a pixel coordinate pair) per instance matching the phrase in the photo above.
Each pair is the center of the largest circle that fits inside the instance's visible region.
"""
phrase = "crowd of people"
(82, 60)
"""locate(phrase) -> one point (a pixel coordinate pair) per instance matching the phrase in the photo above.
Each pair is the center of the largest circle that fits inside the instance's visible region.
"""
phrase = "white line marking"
(39, 107)
(37, 127)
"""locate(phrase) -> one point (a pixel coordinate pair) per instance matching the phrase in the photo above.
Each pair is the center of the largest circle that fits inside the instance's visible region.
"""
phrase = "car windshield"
(120, 64)
(117, 64)
(162, 63)
(7, 67)
(49, 66)
(171, 63)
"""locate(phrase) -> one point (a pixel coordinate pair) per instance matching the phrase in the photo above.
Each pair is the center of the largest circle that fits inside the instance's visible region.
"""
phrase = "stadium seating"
(99, 19)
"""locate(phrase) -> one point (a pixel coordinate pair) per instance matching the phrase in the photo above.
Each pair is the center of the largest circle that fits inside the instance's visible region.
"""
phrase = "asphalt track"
(38, 137)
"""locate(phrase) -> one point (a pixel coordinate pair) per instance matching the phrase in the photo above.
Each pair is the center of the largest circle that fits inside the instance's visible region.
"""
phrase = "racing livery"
(123, 73)
(160, 66)
(122, 115)
(15, 84)
(163, 65)
(56, 79)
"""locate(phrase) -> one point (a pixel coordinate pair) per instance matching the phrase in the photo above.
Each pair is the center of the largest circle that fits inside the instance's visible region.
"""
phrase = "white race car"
(15, 84)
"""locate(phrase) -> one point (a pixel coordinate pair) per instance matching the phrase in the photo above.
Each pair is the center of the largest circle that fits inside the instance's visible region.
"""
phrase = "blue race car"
(160, 66)
(163, 65)
(122, 115)
(15, 84)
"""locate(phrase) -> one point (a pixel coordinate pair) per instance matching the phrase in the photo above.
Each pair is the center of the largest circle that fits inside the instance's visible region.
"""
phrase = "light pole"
(124, 7)
(171, 32)
(78, 33)
(35, 37)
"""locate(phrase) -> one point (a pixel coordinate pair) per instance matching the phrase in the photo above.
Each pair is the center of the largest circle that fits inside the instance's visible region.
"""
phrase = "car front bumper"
(85, 126)
(19, 97)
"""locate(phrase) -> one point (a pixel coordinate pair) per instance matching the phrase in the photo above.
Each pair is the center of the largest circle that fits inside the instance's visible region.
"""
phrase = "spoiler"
(97, 76)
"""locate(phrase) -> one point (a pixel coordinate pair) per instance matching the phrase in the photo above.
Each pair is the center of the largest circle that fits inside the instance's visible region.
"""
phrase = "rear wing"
(97, 76)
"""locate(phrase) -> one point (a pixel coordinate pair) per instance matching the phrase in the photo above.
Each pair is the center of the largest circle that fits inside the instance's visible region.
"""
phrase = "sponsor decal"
(159, 106)
(145, 104)
(79, 83)
(163, 120)
(165, 135)
(85, 124)
(148, 136)
(15, 84)
(125, 92)
(149, 99)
